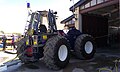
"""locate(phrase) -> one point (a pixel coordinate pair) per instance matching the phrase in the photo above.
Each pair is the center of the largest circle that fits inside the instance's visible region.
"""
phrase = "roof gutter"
(79, 3)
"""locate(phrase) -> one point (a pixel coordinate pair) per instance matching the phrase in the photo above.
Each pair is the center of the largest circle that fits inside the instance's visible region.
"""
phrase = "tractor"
(52, 45)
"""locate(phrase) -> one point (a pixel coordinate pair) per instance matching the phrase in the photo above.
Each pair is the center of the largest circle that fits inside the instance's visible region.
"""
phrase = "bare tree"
(2, 32)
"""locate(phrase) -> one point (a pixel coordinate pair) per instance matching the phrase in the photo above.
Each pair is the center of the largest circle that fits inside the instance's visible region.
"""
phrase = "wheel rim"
(88, 47)
(63, 52)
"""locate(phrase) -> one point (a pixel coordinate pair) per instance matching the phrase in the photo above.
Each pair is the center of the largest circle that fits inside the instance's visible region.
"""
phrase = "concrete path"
(5, 59)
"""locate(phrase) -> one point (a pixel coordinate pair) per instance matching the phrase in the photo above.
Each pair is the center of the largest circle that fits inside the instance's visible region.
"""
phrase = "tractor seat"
(43, 28)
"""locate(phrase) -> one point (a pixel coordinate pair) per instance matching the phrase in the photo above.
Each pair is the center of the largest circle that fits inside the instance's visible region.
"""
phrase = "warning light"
(28, 5)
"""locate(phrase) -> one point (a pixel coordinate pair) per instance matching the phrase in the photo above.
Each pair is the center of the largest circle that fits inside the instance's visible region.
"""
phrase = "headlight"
(35, 38)
(35, 42)
(44, 37)
(27, 42)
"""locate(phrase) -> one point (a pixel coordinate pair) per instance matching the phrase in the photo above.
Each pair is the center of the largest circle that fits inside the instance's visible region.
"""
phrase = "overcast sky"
(13, 13)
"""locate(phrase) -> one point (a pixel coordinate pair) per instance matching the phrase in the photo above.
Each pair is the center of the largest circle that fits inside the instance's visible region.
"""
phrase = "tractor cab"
(41, 26)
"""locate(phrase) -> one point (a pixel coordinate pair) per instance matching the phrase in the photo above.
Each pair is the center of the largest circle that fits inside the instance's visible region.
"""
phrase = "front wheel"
(84, 47)
(56, 53)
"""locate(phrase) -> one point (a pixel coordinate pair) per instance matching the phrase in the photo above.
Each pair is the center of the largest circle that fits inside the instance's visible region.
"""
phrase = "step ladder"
(27, 22)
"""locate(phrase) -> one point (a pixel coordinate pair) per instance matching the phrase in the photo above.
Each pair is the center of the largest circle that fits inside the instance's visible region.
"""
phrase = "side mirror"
(55, 12)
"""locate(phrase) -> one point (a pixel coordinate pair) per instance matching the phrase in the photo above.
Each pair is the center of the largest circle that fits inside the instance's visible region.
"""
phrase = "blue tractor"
(52, 45)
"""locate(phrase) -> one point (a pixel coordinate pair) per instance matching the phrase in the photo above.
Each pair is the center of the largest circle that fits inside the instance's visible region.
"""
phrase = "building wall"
(93, 3)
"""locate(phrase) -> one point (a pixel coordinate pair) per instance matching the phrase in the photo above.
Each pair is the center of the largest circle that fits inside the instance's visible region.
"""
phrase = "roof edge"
(67, 19)
(79, 3)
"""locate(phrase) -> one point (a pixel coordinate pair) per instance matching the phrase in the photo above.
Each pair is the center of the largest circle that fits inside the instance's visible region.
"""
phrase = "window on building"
(72, 22)
(82, 7)
(93, 2)
(106, 0)
(100, 1)
(69, 22)
(66, 23)
(87, 5)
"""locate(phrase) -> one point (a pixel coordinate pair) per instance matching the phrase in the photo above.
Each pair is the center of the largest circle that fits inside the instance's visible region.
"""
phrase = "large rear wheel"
(21, 49)
(25, 52)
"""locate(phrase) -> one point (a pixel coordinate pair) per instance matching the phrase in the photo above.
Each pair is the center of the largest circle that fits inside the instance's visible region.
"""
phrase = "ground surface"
(104, 58)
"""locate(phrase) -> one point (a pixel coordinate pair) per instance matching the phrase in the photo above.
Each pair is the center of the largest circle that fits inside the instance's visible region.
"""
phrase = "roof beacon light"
(28, 5)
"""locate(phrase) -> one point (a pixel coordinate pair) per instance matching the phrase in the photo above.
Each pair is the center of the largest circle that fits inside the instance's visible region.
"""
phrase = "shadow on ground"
(9, 52)
(104, 58)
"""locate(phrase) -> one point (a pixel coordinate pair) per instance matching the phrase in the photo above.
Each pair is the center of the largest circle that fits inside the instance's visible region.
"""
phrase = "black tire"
(80, 50)
(20, 49)
(51, 50)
